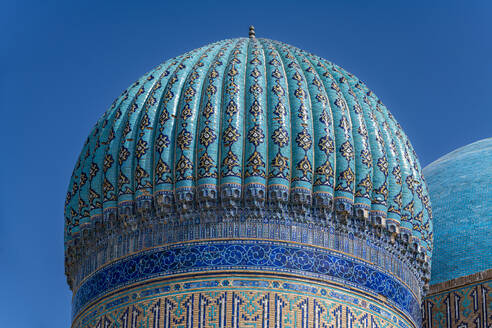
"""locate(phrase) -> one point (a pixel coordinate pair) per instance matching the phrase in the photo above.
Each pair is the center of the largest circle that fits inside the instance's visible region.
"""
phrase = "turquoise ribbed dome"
(249, 127)
(460, 187)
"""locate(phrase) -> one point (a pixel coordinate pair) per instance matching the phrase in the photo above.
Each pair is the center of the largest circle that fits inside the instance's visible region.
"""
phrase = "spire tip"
(251, 31)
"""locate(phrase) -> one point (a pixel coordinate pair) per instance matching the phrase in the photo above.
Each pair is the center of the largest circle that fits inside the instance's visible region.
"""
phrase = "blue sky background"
(62, 64)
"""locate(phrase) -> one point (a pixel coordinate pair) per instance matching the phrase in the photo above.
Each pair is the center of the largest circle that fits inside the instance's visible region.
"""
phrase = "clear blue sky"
(62, 64)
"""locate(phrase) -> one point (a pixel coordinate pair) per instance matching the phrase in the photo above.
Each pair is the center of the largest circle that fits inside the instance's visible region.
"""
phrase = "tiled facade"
(464, 302)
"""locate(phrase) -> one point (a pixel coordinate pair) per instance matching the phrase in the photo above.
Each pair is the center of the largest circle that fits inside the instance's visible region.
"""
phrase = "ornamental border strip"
(163, 289)
(305, 233)
(233, 255)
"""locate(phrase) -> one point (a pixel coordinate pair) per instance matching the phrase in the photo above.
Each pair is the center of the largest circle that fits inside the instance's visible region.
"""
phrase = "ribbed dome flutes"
(247, 129)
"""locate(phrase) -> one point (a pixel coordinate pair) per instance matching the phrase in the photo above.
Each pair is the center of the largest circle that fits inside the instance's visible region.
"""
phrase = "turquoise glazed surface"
(460, 187)
(255, 120)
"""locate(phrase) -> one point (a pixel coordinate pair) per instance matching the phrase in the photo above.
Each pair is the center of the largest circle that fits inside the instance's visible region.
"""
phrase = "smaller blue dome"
(460, 187)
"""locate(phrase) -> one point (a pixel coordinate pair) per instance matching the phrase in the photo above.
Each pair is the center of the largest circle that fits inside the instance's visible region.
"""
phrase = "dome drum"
(135, 219)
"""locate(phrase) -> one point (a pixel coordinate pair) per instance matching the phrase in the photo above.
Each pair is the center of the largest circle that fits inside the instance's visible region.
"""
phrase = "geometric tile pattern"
(463, 307)
(247, 255)
(238, 301)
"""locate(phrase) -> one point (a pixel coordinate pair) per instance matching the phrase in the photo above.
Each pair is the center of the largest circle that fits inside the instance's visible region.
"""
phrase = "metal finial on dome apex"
(251, 31)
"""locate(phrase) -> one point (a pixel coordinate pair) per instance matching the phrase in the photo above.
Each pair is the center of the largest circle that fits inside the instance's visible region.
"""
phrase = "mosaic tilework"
(463, 307)
(240, 301)
(254, 255)
(372, 248)
(460, 186)
(248, 129)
